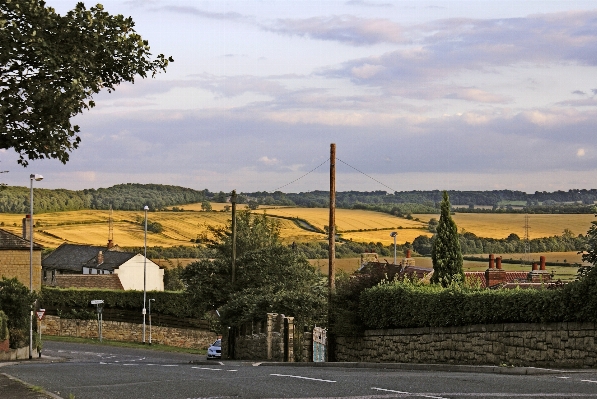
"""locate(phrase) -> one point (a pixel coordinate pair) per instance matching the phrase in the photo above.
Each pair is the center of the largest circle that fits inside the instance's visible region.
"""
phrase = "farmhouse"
(15, 255)
(93, 264)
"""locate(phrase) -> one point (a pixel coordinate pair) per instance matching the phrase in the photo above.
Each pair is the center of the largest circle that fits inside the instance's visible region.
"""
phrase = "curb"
(455, 368)
(43, 359)
(28, 386)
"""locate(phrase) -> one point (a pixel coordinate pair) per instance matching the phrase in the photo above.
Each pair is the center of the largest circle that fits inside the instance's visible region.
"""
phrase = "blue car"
(215, 350)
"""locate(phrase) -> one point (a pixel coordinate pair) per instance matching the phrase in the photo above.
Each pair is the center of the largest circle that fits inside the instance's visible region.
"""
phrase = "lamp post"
(150, 320)
(145, 208)
(394, 234)
(31, 178)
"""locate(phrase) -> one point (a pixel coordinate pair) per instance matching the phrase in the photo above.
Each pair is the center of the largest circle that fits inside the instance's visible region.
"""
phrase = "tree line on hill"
(158, 197)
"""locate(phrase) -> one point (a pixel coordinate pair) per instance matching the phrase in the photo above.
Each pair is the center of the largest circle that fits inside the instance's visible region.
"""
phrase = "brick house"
(15, 256)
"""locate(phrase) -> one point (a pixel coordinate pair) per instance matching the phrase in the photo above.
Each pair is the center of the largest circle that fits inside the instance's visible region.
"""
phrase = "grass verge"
(123, 344)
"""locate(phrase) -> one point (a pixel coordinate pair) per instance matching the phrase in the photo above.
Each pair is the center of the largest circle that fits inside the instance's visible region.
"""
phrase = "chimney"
(110, 244)
(494, 276)
(408, 253)
(535, 267)
(26, 226)
(542, 262)
(498, 262)
(100, 258)
(491, 257)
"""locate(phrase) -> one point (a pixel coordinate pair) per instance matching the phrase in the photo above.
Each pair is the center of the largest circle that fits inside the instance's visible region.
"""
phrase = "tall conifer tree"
(445, 253)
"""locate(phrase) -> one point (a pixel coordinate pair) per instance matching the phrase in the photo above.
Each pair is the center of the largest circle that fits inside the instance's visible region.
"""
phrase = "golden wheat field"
(501, 225)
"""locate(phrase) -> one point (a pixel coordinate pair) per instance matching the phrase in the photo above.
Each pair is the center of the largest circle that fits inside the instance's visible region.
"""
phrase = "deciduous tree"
(52, 65)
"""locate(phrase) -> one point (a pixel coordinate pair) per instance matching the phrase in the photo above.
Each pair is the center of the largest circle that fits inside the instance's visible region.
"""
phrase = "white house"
(90, 260)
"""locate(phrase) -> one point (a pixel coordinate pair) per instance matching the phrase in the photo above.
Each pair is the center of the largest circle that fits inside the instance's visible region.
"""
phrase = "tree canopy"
(445, 252)
(270, 277)
(51, 66)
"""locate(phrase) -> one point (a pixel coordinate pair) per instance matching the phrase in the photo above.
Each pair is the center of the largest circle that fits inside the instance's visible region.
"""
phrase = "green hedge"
(403, 304)
(77, 301)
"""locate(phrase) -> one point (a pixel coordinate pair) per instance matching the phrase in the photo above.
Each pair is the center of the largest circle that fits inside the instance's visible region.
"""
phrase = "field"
(91, 227)
(501, 225)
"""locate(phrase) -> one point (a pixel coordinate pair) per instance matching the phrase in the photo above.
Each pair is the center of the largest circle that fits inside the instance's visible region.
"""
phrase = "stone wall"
(15, 263)
(119, 331)
(541, 345)
(257, 342)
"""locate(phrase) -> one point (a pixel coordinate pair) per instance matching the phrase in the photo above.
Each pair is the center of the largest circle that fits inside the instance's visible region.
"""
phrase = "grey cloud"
(454, 45)
(226, 16)
(585, 102)
(579, 92)
(594, 91)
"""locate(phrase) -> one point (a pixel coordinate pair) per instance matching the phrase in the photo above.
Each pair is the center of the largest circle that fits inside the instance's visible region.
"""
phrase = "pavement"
(14, 388)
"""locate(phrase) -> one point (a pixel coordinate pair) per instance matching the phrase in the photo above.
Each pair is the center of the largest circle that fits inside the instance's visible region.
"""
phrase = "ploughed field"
(297, 224)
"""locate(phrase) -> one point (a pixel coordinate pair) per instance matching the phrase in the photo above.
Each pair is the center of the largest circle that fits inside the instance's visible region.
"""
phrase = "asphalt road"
(94, 372)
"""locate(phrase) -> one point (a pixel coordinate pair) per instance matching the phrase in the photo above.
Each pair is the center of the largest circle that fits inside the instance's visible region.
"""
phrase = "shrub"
(16, 302)
(3, 326)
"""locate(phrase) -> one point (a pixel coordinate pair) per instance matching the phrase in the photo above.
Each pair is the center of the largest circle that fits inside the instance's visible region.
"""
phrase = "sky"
(416, 95)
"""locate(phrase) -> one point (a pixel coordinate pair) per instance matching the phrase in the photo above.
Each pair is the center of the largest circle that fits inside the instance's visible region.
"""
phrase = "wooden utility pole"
(332, 224)
(233, 201)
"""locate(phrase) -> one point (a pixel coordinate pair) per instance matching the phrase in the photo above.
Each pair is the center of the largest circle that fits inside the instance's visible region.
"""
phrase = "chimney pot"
(499, 262)
(542, 262)
(491, 258)
(408, 253)
(535, 267)
(100, 258)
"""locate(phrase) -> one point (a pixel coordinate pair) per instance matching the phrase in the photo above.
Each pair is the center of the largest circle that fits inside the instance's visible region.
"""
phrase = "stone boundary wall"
(540, 345)
(120, 331)
(17, 354)
(251, 342)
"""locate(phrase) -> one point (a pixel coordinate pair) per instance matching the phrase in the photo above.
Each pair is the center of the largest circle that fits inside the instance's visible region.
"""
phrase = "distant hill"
(122, 197)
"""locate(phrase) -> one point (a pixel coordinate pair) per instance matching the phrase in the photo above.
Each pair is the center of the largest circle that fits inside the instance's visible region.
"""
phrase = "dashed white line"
(564, 378)
(410, 393)
(301, 377)
(589, 381)
(206, 368)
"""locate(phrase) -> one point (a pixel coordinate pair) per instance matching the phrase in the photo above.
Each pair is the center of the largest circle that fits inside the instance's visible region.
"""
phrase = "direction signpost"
(99, 303)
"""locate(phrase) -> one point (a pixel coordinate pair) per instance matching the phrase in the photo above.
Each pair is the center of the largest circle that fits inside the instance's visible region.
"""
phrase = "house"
(91, 260)
(15, 255)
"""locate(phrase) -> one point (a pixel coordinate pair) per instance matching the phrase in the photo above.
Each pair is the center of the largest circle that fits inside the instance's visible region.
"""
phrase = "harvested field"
(501, 225)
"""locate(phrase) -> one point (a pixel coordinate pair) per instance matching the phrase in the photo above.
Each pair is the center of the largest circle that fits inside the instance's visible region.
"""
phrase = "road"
(98, 372)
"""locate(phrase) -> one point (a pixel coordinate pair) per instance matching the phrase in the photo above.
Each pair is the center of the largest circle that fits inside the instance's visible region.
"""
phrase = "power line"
(393, 191)
(295, 180)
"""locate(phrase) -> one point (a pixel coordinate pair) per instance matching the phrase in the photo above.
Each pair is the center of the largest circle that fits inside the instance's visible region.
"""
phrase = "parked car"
(215, 350)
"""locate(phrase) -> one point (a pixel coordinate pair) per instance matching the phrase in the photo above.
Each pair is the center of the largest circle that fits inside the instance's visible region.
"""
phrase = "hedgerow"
(405, 304)
(78, 301)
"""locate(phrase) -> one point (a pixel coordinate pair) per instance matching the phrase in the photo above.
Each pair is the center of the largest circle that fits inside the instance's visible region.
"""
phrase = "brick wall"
(119, 331)
(541, 345)
(15, 263)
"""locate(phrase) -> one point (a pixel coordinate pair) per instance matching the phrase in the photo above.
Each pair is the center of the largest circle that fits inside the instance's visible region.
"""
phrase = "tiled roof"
(111, 260)
(13, 241)
(474, 277)
(516, 276)
(72, 257)
(107, 281)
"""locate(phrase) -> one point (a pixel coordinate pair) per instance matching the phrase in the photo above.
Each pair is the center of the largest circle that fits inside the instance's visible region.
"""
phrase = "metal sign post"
(40, 316)
(99, 303)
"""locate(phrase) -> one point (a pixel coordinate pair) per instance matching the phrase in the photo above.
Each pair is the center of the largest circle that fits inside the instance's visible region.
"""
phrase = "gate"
(319, 344)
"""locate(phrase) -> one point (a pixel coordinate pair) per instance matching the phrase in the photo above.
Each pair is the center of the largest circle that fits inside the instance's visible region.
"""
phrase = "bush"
(3, 326)
(16, 302)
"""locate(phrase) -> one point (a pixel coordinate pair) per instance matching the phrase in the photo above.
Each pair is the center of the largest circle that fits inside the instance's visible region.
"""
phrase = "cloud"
(225, 16)
(268, 161)
(579, 92)
(345, 29)
(365, 3)
(477, 95)
(580, 152)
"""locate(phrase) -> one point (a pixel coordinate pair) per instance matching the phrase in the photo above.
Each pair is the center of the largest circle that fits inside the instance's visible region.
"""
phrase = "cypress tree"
(445, 253)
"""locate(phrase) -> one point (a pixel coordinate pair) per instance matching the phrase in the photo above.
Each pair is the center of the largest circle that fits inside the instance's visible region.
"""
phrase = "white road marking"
(169, 365)
(232, 370)
(302, 378)
(206, 368)
(410, 393)
(589, 381)
(564, 378)
(129, 364)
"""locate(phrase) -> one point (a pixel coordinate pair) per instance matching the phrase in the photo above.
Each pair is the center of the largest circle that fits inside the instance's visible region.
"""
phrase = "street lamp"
(31, 178)
(394, 234)
(145, 208)
(150, 320)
